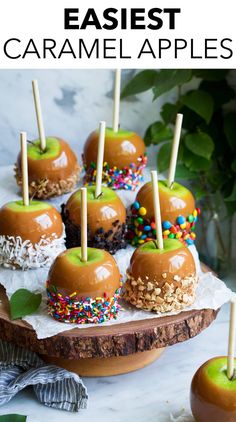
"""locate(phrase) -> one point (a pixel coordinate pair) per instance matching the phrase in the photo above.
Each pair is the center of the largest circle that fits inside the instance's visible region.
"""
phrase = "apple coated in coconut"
(161, 280)
(84, 292)
(124, 159)
(30, 236)
(52, 172)
(106, 220)
(178, 211)
(213, 395)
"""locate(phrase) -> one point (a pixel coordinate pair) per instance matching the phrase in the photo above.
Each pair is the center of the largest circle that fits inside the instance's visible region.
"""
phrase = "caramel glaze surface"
(100, 213)
(91, 279)
(150, 266)
(30, 225)
(57, 168)
(171, 205)
(208, 401)
(119, 152)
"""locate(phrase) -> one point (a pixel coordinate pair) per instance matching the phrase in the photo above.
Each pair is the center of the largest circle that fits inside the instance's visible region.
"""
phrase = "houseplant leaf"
(210, 74)
(23, 302)
(157, 133)
(141, 82)
(170, 78)
(230, 129)
(163, 157)
(13, 418)
(169, 111)
(200, 144)
(200, 102)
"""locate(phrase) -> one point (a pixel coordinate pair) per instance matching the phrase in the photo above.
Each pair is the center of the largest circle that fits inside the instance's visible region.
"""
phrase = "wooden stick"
(84, 249)
(24, 168)
(157, 210)
(116, 101)
(100, 157)
(231, 344)
(39, 115)
(175, 148)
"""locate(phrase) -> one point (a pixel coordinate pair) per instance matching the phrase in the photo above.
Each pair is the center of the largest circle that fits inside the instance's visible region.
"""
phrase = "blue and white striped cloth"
(55, 387)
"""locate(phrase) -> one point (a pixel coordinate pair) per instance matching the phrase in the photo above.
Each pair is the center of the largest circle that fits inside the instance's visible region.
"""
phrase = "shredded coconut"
(16, 253)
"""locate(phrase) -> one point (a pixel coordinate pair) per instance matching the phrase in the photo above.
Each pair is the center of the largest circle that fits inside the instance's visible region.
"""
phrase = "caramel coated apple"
(161, 280)
(30, 222)
(103, 212)
(92, 279)
(122, 148)
(52, 172)
(174, 201)
(213, 395)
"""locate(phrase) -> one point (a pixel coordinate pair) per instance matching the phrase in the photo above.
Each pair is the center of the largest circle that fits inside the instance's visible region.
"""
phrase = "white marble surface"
(147, 395)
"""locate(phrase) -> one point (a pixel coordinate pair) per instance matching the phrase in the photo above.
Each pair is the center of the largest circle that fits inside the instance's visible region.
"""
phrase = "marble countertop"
(148, 395)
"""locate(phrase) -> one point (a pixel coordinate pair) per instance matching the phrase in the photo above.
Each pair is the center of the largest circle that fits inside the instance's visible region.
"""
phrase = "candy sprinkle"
(124, 178)
(72, 309)
(142, 229)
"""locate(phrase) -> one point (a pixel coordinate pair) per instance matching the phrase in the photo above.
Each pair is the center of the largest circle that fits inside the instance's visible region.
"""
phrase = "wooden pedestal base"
(103, 367)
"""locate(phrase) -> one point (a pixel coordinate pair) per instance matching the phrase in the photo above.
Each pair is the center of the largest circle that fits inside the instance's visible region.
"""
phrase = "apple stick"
(24, 167)
(231, 344)
(100, 156)
(157, 210)
(116, 101)
(175, 148)
(39, 115)
(84, 249)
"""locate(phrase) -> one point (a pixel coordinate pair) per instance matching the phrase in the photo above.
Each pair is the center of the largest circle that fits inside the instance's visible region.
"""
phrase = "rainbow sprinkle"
(72, 309)
(125, 178)
(141, 229)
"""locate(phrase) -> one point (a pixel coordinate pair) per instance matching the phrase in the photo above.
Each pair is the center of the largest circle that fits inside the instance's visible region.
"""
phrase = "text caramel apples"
(52, 172)
(84, 292)
(30, 235)
(161, 280)
(106, 220)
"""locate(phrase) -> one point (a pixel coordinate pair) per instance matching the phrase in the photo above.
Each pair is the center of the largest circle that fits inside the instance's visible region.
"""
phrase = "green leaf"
(141, 82)
(163, 157)
(232, 196)
(200, 102)
(13, 418)
(168, 79)
(210, 74)
(194, 162)
(220, 91)
(230, 129)
(157, 133)
(233, 166)
(169, 111)
(23, 302)
(182, 172)
(200, 144)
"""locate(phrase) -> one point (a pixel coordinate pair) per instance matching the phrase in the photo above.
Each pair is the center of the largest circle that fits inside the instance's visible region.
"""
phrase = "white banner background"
(39, 19)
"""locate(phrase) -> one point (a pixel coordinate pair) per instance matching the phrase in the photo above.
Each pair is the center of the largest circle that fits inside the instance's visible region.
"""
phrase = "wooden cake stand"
(108, 350)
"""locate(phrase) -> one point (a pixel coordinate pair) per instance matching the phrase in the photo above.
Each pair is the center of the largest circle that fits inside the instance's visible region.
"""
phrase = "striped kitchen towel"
(55, 387)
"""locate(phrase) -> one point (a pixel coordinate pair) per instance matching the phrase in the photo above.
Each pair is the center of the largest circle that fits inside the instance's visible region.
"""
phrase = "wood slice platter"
(110, 349)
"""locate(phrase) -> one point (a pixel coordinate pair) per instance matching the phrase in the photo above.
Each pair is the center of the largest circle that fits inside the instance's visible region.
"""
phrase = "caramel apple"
(106, 220)
(124, 159)
(179, 214)
(30, 236)
(213, 395)
(83, 292)
(161, 280)
(52, 172)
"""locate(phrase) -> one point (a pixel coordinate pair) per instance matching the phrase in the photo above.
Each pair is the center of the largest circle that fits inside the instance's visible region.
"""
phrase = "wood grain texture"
(114, 340)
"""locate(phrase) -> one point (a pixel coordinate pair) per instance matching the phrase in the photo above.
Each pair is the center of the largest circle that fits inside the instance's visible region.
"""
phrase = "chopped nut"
(141, 288)
(157, 291)
(149, 286)
(134, 283)
(164, 275)
(177, 278)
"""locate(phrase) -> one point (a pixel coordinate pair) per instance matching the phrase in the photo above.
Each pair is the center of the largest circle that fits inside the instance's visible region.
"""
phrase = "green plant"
(207, 153)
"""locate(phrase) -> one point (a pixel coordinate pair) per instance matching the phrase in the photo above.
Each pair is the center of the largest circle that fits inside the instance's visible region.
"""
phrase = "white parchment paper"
(211, 292)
